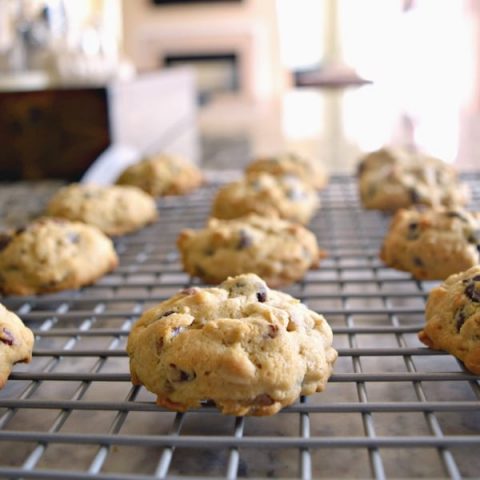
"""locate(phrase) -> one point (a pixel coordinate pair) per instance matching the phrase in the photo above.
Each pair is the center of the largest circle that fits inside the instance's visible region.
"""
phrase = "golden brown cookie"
(308, 170)
(245, 348)
(53, 254)
(162, 174)
(432, 244)
(286, 197)
(114, 209)
(16, 343)
(277, 250)
(453, 318)
(394, 179)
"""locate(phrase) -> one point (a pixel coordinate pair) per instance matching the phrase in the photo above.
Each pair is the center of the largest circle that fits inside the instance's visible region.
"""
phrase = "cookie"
(286, 197)
(400, 179)
(383, 157)
(432, 244)
(53, 254)
(278, 250)
(453, 318)
(290, 163)
(241, 346)
(161, 175)
(16, 343)
(115, 210)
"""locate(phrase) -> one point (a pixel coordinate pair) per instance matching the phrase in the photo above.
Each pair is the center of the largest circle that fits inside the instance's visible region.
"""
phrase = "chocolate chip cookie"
(240, 346)
(308, 170)
(278, 250)
(53, 254)
(162, 174)
(16, 343)
(432, 244)
(115, 210)
(453, 318)
(285, 196)
(393, 179)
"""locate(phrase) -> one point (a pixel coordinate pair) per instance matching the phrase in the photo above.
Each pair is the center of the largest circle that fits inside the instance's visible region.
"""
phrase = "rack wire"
(392, 408)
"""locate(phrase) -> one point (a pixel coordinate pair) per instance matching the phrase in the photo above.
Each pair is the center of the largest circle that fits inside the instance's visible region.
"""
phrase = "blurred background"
(220, 81)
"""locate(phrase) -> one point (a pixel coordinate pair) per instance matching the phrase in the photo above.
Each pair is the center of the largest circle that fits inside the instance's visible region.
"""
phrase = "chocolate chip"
(460, 319)
(263, 400)
(262, 296)
(209, 403)
(165, 314)
(476, 278)
(20, 230)
(4, 241)
(472, 293)
(181, 375)
(473, 237)
(413, 231)
(418, 262)
(185, 377)
(414, 195)
(6, 337)
(245, 240)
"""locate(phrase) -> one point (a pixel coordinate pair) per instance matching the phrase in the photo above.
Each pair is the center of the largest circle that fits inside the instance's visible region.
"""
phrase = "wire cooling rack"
(391, 409)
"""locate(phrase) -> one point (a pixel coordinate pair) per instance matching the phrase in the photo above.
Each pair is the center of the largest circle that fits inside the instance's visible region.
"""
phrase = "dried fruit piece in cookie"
(285, 196)
(453, 318)
(162, 174)
(114, 209)
(241, 346)
(307, 169)
(16, 343)
(277, 250)
(432, 244)
(54, 254)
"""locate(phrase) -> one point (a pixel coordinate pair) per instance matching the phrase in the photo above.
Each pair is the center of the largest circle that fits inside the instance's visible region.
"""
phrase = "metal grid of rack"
(391, 409)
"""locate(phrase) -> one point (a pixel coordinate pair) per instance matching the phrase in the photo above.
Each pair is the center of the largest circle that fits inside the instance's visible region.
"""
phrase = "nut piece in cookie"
(162, 174)
(307, 169)
(53, 254)
(114, 209)
(453, 318)
(277, 250)
(285, 197)
(240, 346)
(16, 343)
(432, 244)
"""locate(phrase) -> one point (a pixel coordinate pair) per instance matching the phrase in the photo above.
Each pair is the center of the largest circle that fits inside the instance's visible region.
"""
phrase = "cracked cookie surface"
(248, 349)
(285, 196)
(114, 209)
(277, 250)
(452, 317)
(308, 170)
(161, 175)
(53, 254)
(16, 343)
(392, 179)
(432, 244)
